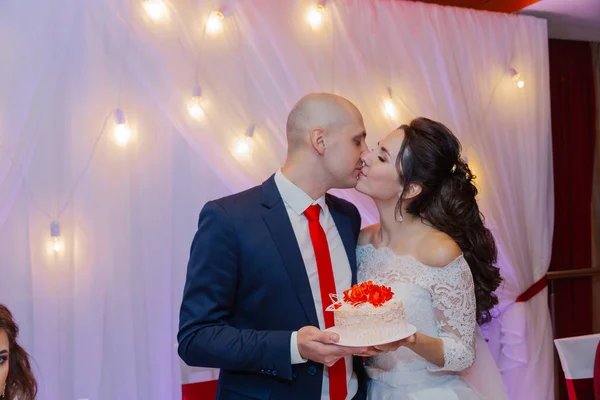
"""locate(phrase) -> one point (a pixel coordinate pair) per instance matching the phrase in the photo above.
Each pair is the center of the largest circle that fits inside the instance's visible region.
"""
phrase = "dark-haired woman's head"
(418, 168)
(16, 378)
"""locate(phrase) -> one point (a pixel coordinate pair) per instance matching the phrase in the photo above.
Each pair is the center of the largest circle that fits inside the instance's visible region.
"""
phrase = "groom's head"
(326, 137)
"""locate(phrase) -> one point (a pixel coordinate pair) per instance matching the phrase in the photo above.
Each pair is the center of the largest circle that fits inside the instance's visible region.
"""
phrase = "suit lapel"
(279, 225)
(344, 227)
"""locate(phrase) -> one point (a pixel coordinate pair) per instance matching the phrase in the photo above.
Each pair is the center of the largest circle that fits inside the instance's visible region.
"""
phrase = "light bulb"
(56, 242)
(243, 147)
(195, 109)
(214, 24)
(389, 109)
(516, 77)
(194, 106)
(122, 133)
(156, 9)
(315, 16)
(245, 144)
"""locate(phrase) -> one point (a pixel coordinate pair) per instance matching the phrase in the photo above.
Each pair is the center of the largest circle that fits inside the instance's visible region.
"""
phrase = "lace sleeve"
(453, 295)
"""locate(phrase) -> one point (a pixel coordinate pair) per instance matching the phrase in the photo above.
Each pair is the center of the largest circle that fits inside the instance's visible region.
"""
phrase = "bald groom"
(263, 262)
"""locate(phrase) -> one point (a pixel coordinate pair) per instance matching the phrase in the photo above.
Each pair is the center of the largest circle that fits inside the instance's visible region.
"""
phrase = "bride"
(432, 247)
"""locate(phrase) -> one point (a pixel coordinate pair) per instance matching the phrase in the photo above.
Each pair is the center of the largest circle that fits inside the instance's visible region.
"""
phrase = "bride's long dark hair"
(430, 157)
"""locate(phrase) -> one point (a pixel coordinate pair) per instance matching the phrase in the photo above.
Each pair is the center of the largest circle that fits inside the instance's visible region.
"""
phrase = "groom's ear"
(317, 139)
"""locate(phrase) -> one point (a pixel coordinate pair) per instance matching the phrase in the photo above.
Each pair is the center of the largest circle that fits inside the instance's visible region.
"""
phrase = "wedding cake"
(367, 315)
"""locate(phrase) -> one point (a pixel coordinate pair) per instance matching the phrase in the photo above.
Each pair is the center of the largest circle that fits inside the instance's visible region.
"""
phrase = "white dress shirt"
(296, 202)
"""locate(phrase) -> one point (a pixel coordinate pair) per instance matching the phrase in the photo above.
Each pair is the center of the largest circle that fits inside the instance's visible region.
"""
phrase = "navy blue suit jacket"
(247, 290)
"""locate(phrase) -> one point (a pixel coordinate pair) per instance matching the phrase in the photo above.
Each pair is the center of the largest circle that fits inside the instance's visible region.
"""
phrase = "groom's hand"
(321, 347)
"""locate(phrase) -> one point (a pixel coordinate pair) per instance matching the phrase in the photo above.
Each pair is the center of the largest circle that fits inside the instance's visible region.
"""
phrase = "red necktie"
(337, 373)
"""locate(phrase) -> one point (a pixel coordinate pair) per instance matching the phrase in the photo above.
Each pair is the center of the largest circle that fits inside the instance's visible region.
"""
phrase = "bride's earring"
(399, 217)
(3, 391)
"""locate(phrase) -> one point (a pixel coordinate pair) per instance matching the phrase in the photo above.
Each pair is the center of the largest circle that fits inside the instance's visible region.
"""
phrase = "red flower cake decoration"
(363, 293)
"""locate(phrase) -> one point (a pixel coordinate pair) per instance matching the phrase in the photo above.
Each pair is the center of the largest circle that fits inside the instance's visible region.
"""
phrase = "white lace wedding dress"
(439, 302)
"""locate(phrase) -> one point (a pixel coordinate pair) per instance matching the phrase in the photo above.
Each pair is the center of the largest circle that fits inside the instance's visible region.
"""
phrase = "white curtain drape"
(100, 317)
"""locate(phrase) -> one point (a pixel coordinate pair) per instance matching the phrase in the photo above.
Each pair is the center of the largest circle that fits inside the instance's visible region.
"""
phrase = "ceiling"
(567, 19)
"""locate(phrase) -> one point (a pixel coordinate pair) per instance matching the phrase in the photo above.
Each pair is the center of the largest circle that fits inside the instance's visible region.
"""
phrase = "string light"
(122, 131)
(194, 107)
(214, 25)
(389, 108)
(314, 16)
(516, 77)
(156, 9)
(244, 145)
(56, 244)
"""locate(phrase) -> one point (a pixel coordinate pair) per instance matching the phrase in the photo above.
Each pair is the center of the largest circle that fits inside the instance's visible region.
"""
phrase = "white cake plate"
(410, 330)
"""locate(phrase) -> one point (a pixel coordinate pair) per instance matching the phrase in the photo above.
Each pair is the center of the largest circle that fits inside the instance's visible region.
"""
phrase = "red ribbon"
(533, 290)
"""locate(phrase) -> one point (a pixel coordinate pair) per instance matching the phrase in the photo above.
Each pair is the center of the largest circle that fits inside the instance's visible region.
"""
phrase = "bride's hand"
(393, 346)
(369, 352)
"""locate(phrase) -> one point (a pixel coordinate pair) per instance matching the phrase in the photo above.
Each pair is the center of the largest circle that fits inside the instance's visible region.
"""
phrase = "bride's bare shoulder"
(367, 233)
(437, 249)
